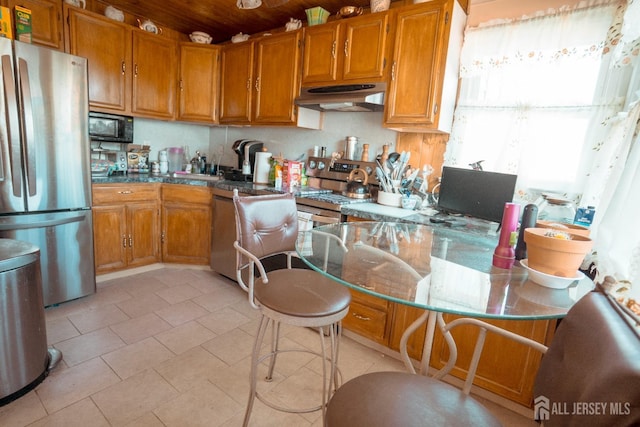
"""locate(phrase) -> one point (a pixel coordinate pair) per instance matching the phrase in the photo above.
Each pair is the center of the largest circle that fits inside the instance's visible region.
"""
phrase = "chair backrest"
(266, 225)
(590, 375)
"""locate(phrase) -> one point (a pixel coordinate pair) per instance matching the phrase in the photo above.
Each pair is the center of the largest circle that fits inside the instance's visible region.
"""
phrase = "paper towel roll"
(261, 168)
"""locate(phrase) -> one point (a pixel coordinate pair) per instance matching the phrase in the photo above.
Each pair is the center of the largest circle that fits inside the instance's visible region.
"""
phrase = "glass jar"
(558, 210)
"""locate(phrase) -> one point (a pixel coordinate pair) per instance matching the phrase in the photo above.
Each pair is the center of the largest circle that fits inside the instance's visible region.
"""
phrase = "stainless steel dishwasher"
(24, 358)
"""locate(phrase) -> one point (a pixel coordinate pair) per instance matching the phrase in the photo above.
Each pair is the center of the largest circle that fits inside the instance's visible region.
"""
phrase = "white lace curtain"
(540, 97)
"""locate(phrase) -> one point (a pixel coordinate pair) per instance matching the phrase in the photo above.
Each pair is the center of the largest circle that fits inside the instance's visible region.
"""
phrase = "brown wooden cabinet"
(107, 46)
(46, 21)
(126, 224)
(423, 82)
(130, 71)
(260, 79)
(186, 224)
(155, 73)
(351, 50)
(506, 367)
(236, 82)
(199, 83)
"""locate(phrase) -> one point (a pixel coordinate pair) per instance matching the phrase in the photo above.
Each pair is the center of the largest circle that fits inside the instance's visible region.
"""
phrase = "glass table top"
(433, 269)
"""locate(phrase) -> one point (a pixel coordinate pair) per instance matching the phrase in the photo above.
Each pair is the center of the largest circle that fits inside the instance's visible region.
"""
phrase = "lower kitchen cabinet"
(126, 223)
(186, 224)
(506, 368)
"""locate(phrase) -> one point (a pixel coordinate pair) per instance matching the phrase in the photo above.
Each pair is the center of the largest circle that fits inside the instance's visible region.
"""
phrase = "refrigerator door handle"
(29, 134)
(13, 126)
(43, 223)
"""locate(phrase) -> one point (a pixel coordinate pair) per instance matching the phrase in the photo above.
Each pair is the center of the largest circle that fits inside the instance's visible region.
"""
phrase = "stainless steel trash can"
(24, 358)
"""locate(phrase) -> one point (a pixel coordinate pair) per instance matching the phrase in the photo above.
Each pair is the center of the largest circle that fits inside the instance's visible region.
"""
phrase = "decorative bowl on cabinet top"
(240, 38)
(200, 37)
(113, 13)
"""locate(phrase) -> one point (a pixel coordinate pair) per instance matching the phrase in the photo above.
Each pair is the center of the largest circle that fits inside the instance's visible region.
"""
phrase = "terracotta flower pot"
(555, 255)
(570, 228)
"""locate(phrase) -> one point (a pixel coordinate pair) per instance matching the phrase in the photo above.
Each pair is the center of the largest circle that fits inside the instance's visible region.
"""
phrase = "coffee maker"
(246, 150)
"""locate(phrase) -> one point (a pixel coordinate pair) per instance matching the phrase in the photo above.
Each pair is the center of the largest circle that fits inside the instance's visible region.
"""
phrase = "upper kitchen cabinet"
(107, 46)
(155, 61)
(46, 21)
(130, 71)
(424, 73)
(199, 82)
(236, 82)
(259, 80)
(352, 50)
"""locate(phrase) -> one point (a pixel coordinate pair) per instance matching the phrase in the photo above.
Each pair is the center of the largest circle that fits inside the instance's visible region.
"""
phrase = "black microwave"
(105, 127)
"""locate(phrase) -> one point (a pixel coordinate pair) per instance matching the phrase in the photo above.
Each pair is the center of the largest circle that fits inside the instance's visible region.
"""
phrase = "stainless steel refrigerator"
(45, 178)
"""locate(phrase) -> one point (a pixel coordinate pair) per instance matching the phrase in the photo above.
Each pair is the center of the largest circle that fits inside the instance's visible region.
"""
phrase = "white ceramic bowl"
(549, 281)
(200, 37)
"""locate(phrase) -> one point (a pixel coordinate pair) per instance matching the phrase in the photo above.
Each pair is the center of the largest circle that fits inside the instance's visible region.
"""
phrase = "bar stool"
(266, 226)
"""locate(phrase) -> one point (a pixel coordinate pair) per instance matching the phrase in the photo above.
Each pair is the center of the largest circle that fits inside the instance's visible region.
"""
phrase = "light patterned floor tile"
(183, 350)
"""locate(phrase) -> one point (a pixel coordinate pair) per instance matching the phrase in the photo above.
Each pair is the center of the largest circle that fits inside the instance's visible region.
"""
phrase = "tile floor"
(171, 347)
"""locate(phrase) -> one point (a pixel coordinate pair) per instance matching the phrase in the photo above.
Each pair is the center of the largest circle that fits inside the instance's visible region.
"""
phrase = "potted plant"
(556, 252)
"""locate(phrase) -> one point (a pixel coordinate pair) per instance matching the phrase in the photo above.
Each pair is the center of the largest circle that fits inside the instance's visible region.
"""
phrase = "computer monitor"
(479, 194)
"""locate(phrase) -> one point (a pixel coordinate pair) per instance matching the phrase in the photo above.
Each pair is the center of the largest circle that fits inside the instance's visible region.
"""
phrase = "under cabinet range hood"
(347, 98)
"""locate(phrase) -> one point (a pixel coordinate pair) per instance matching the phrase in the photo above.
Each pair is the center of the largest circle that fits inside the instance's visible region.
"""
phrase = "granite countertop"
(455, 226)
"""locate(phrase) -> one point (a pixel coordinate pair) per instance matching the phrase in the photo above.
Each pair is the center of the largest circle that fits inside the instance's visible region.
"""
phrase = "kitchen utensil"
(357, 184)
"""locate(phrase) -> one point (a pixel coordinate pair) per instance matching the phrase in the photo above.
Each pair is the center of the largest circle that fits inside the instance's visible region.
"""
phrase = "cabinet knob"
(346, 47)
(333, 49)
(258, 84)
(124, 241)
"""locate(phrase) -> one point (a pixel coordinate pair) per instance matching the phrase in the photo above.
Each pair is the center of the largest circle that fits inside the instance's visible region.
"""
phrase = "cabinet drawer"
(107, 194)
(366, 321)
(182, 193)
(369, 300)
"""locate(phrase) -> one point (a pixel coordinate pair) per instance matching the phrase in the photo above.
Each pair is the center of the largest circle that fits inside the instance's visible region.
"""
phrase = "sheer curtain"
(527, 99)
(614, 181)
(551, 99)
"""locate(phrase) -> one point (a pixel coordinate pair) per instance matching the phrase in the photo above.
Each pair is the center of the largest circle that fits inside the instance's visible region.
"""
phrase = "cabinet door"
(187, 231)
(365, 47)
(46, 21)
(506, 367)
(277, 78)
(107, 46)
(199, 79)
(236, 83)
(418, 61)
(110, 238)
(143, 234)
(320, 57)
(154, 75)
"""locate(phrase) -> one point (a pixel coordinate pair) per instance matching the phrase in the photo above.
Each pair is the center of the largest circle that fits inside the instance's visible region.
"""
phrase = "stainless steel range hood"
(347, 98)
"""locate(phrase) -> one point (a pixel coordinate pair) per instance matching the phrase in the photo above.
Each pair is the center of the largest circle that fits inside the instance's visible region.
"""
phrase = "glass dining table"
(439, 270)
